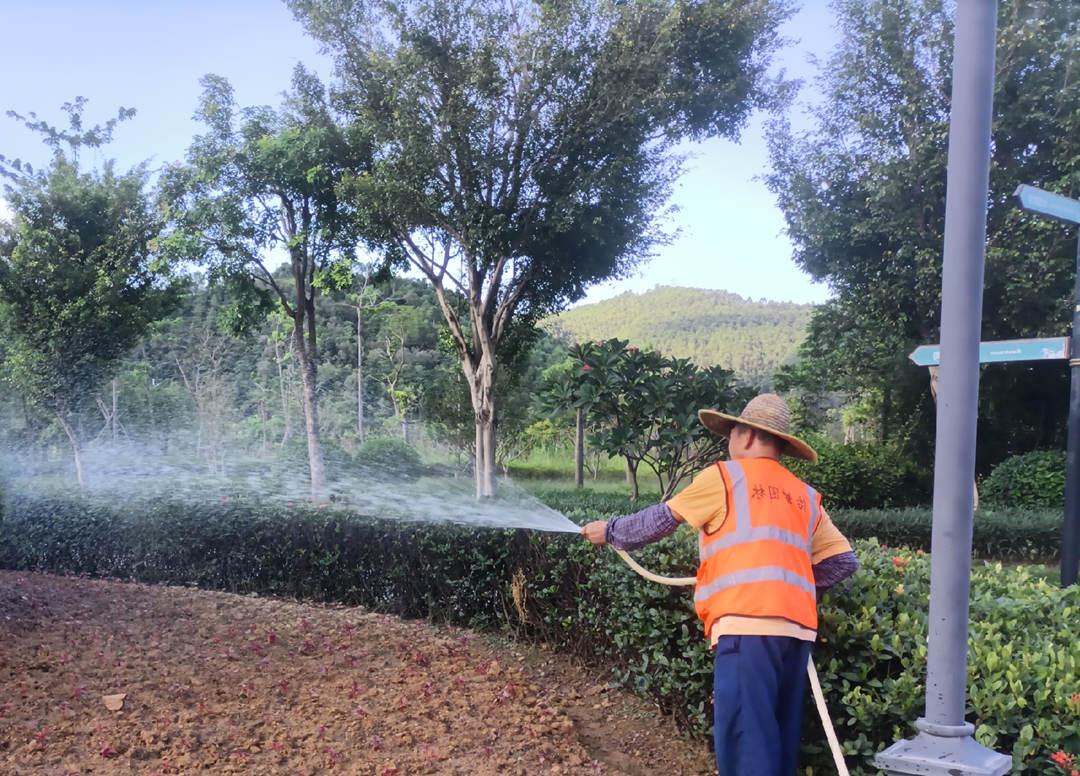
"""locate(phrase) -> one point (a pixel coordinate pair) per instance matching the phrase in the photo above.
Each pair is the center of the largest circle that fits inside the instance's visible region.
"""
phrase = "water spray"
(811, 670)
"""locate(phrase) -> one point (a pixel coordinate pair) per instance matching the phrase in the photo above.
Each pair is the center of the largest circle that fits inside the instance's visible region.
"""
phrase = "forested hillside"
(708, 327)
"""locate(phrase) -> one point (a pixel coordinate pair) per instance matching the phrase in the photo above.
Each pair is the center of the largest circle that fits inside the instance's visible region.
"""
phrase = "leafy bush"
(392, 455)
(1032, 480)
(1025, 668)
(864, 476)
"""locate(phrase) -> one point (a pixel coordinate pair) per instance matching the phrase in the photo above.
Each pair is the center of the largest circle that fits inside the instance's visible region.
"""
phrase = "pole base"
(935, 755)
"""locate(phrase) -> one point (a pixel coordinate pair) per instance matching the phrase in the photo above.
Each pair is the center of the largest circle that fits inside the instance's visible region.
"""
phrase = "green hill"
(709, 327)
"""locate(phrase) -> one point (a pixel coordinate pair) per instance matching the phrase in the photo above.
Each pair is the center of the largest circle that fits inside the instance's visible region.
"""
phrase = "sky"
(150, 56)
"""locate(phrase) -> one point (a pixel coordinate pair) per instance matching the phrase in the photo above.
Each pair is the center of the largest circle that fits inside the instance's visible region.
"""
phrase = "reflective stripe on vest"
(761, 574)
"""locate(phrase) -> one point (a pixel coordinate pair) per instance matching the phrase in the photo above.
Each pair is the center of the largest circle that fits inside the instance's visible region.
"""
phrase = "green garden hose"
(815, 683)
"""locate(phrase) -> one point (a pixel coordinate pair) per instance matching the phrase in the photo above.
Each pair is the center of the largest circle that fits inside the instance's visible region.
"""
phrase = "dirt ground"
(225, 684)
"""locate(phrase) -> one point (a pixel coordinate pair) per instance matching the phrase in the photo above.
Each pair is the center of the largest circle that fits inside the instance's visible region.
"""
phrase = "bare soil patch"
(226, 684)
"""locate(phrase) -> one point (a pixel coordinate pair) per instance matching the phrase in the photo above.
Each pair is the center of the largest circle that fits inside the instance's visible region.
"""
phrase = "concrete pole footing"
(942, 750)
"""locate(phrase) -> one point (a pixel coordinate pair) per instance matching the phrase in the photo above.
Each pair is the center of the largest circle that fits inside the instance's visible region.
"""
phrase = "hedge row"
(1000, 534)
(1025, 665)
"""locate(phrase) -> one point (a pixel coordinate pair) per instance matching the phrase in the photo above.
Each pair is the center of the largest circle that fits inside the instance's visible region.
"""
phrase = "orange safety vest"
(758, 563)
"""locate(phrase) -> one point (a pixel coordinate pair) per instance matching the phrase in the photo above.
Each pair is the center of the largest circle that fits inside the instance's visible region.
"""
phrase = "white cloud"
(5, 211)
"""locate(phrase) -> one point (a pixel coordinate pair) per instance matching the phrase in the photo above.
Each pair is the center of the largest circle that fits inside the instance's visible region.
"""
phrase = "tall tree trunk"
(631, 478)
(115, 408)
(360, 373)
(489, 454)
(482, 389)
(478, 457)
(579, 449)
(308, 378)
(485, 455)
(285, 413)
(74, 439)
(886, 415)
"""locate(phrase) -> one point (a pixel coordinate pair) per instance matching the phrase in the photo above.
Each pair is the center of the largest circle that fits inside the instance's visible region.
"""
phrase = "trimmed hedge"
(1025, 666)
(1033, 480)
(1009, 535)
(1000, 534)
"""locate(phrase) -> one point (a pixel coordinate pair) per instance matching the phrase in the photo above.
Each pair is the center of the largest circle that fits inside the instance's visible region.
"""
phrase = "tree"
(369, 295)
(80, 280)
(863, 193)
(565, 393)
(262, 180)
(525, 148)
(643, 407)
(399, 325)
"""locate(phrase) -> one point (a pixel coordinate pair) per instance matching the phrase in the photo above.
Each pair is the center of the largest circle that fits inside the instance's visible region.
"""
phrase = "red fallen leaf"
(271, 637)
(108, 751)
(391, 771)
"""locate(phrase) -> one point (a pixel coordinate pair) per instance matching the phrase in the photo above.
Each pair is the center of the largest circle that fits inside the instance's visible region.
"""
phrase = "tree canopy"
(863, 192)
(264, 179)
(81, 278)
(525, 149)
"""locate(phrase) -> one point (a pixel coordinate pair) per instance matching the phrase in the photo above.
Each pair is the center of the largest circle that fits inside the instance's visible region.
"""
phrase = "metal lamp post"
(1068, 210)
(945, 745)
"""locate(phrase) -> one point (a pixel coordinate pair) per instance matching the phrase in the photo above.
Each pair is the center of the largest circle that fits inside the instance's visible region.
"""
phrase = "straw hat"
(767, 412)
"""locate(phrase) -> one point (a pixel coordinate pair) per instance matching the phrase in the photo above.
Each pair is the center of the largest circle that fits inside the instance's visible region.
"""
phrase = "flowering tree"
(642, 406)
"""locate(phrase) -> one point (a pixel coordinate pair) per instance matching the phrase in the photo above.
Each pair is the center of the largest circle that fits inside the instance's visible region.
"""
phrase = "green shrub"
(1005, 534)
(864, 476)
(1032, 480)
(392, 455)
(1025, 668)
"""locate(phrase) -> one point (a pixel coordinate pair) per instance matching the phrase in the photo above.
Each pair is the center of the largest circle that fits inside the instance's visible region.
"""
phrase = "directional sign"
(1043, 349)
(1049, 204)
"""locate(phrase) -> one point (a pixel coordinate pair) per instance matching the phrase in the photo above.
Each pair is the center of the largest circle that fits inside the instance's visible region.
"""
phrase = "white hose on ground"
(815, 683)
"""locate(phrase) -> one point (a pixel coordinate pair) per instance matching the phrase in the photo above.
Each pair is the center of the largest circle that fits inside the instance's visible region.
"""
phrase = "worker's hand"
(595, 531)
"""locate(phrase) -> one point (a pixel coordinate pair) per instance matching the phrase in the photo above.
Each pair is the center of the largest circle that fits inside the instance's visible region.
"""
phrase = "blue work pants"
(759, 686)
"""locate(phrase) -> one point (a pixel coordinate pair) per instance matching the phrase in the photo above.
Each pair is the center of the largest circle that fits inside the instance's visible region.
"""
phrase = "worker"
(767, 549)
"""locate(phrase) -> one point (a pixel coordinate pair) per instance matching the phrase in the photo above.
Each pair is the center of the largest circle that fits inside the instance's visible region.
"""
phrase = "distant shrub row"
(1025, 668)
(1000, 534)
